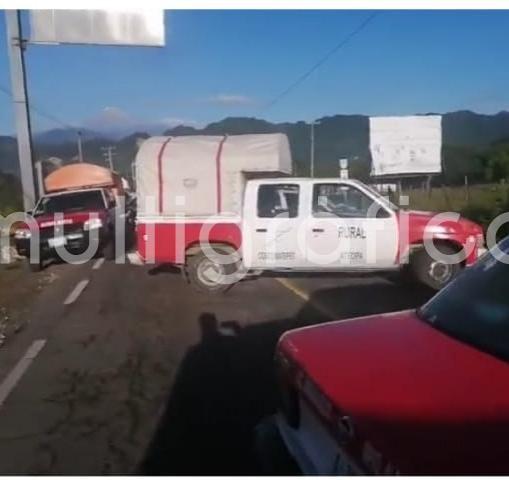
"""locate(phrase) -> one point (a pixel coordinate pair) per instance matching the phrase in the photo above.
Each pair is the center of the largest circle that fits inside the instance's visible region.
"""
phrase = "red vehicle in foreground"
(415, 392)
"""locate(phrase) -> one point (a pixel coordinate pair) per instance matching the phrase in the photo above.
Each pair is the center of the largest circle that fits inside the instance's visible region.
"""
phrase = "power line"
(320, 62)
(40, 111)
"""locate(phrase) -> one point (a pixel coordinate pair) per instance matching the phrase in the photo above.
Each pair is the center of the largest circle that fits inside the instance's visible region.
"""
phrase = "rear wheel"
(208, 272)
(434, 273)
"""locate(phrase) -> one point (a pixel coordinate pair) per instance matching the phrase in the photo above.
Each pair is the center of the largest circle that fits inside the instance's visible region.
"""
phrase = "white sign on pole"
(343, 163)
(405, 145)
(98, 27)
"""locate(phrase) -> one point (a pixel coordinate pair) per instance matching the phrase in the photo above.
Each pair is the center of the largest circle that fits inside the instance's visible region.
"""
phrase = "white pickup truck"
(282, 224)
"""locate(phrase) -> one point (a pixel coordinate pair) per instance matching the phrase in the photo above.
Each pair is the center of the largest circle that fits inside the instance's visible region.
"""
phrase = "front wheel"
(434, 273)
(209, 272)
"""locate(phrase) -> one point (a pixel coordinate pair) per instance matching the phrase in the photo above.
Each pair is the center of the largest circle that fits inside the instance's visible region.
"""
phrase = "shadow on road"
(225, 384)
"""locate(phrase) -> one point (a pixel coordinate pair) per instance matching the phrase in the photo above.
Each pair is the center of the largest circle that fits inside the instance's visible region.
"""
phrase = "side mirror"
(382, 213)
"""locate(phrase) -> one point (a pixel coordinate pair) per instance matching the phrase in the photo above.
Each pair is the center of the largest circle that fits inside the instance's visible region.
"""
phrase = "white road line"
(306, 297)
(98, 263)
(7, 386)
(134, 258)
(78, 289)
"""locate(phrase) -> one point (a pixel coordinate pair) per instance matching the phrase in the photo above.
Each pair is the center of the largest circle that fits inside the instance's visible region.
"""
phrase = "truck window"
(475, 307)
(278, 200)
(343, 201)
(69, 202)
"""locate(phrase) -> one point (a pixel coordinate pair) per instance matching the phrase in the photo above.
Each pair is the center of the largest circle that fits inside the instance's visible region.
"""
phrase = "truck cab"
(318, 224)
(67, 220)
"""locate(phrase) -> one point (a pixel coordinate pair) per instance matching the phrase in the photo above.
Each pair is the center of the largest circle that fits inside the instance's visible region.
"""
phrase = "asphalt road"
(126, 369)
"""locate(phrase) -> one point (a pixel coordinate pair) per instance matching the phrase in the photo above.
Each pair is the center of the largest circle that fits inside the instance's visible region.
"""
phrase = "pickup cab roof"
(304, 180)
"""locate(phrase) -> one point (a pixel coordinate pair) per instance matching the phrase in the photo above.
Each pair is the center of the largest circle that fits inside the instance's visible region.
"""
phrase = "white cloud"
(230, 99)
(110, 117)
(176, 121)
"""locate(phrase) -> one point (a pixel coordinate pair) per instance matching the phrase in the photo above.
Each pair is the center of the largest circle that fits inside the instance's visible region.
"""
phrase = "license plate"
(57, 242)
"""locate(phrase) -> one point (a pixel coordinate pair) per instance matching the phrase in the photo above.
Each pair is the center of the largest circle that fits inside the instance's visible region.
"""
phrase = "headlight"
(92, 224)
(22, 233)
(479, 240)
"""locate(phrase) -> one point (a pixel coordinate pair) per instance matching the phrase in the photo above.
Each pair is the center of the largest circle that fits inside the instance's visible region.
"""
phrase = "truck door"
(271, 220)
(350, 229)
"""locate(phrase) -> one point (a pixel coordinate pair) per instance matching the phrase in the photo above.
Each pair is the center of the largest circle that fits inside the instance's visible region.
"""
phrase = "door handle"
(318, 230)
(261, 230)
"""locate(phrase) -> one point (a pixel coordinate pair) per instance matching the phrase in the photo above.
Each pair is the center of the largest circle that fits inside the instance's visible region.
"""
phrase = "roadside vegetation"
(10, 194)
(480, 203)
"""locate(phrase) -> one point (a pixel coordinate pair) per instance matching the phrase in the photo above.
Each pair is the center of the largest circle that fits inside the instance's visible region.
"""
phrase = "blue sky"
(233, 63)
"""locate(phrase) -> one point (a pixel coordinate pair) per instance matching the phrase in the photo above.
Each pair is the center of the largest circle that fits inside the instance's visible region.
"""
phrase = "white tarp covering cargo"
(204, 175)
(405, 145)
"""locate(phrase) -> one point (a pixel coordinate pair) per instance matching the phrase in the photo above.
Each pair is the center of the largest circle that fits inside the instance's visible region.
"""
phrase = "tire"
(206, 275)
(435, 274)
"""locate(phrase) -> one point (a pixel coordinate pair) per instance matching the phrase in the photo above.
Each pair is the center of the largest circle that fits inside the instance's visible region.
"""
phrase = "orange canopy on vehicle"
(82, 175)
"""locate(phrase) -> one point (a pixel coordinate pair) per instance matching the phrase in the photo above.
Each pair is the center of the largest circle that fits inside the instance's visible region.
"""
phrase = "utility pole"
(16, 46)
(312, 163)
(80, 148)
(109, 152)
(40, 177)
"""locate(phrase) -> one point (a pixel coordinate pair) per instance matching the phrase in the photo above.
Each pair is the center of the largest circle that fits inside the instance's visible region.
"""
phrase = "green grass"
(455, 199)
(10, 194)
(482, 204)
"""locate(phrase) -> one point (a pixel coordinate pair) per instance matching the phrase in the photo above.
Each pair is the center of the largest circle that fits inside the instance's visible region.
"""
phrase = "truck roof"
(66, 192)
(306, 180)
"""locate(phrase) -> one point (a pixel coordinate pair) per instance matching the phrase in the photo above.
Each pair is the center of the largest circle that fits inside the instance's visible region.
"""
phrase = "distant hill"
(8, 155)
(465, 134)
(63, 135)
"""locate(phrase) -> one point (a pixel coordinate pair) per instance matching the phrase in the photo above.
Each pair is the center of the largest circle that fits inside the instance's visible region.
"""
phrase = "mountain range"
(465, 133)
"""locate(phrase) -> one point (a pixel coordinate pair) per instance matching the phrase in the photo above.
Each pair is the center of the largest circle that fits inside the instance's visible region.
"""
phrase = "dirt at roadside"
(18, 289)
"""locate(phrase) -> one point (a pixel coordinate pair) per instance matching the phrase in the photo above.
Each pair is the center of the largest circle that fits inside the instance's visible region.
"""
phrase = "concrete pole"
(40, 178)
(312, 165)
(21, 113)
(80, 147)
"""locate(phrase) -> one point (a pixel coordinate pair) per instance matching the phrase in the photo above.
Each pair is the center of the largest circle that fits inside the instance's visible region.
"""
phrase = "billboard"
(405, 145)
(98, 27)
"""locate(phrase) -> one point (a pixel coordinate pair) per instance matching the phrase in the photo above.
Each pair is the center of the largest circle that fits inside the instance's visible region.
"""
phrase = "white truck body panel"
(310, 242)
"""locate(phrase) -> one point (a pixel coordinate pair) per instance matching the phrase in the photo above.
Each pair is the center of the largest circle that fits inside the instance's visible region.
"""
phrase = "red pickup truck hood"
(72, 218)
(425, 401)
(417, 220)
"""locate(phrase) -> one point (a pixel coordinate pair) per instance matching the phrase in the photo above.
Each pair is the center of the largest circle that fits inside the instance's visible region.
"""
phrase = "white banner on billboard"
(405, 145)
(98, 27)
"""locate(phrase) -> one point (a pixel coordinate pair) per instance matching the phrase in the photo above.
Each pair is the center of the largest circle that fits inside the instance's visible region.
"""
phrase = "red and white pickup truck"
(220, 192)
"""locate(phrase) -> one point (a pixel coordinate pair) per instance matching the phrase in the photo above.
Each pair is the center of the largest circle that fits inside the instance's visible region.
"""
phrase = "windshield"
(475, 307)
(383, 199)
(69, 202)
